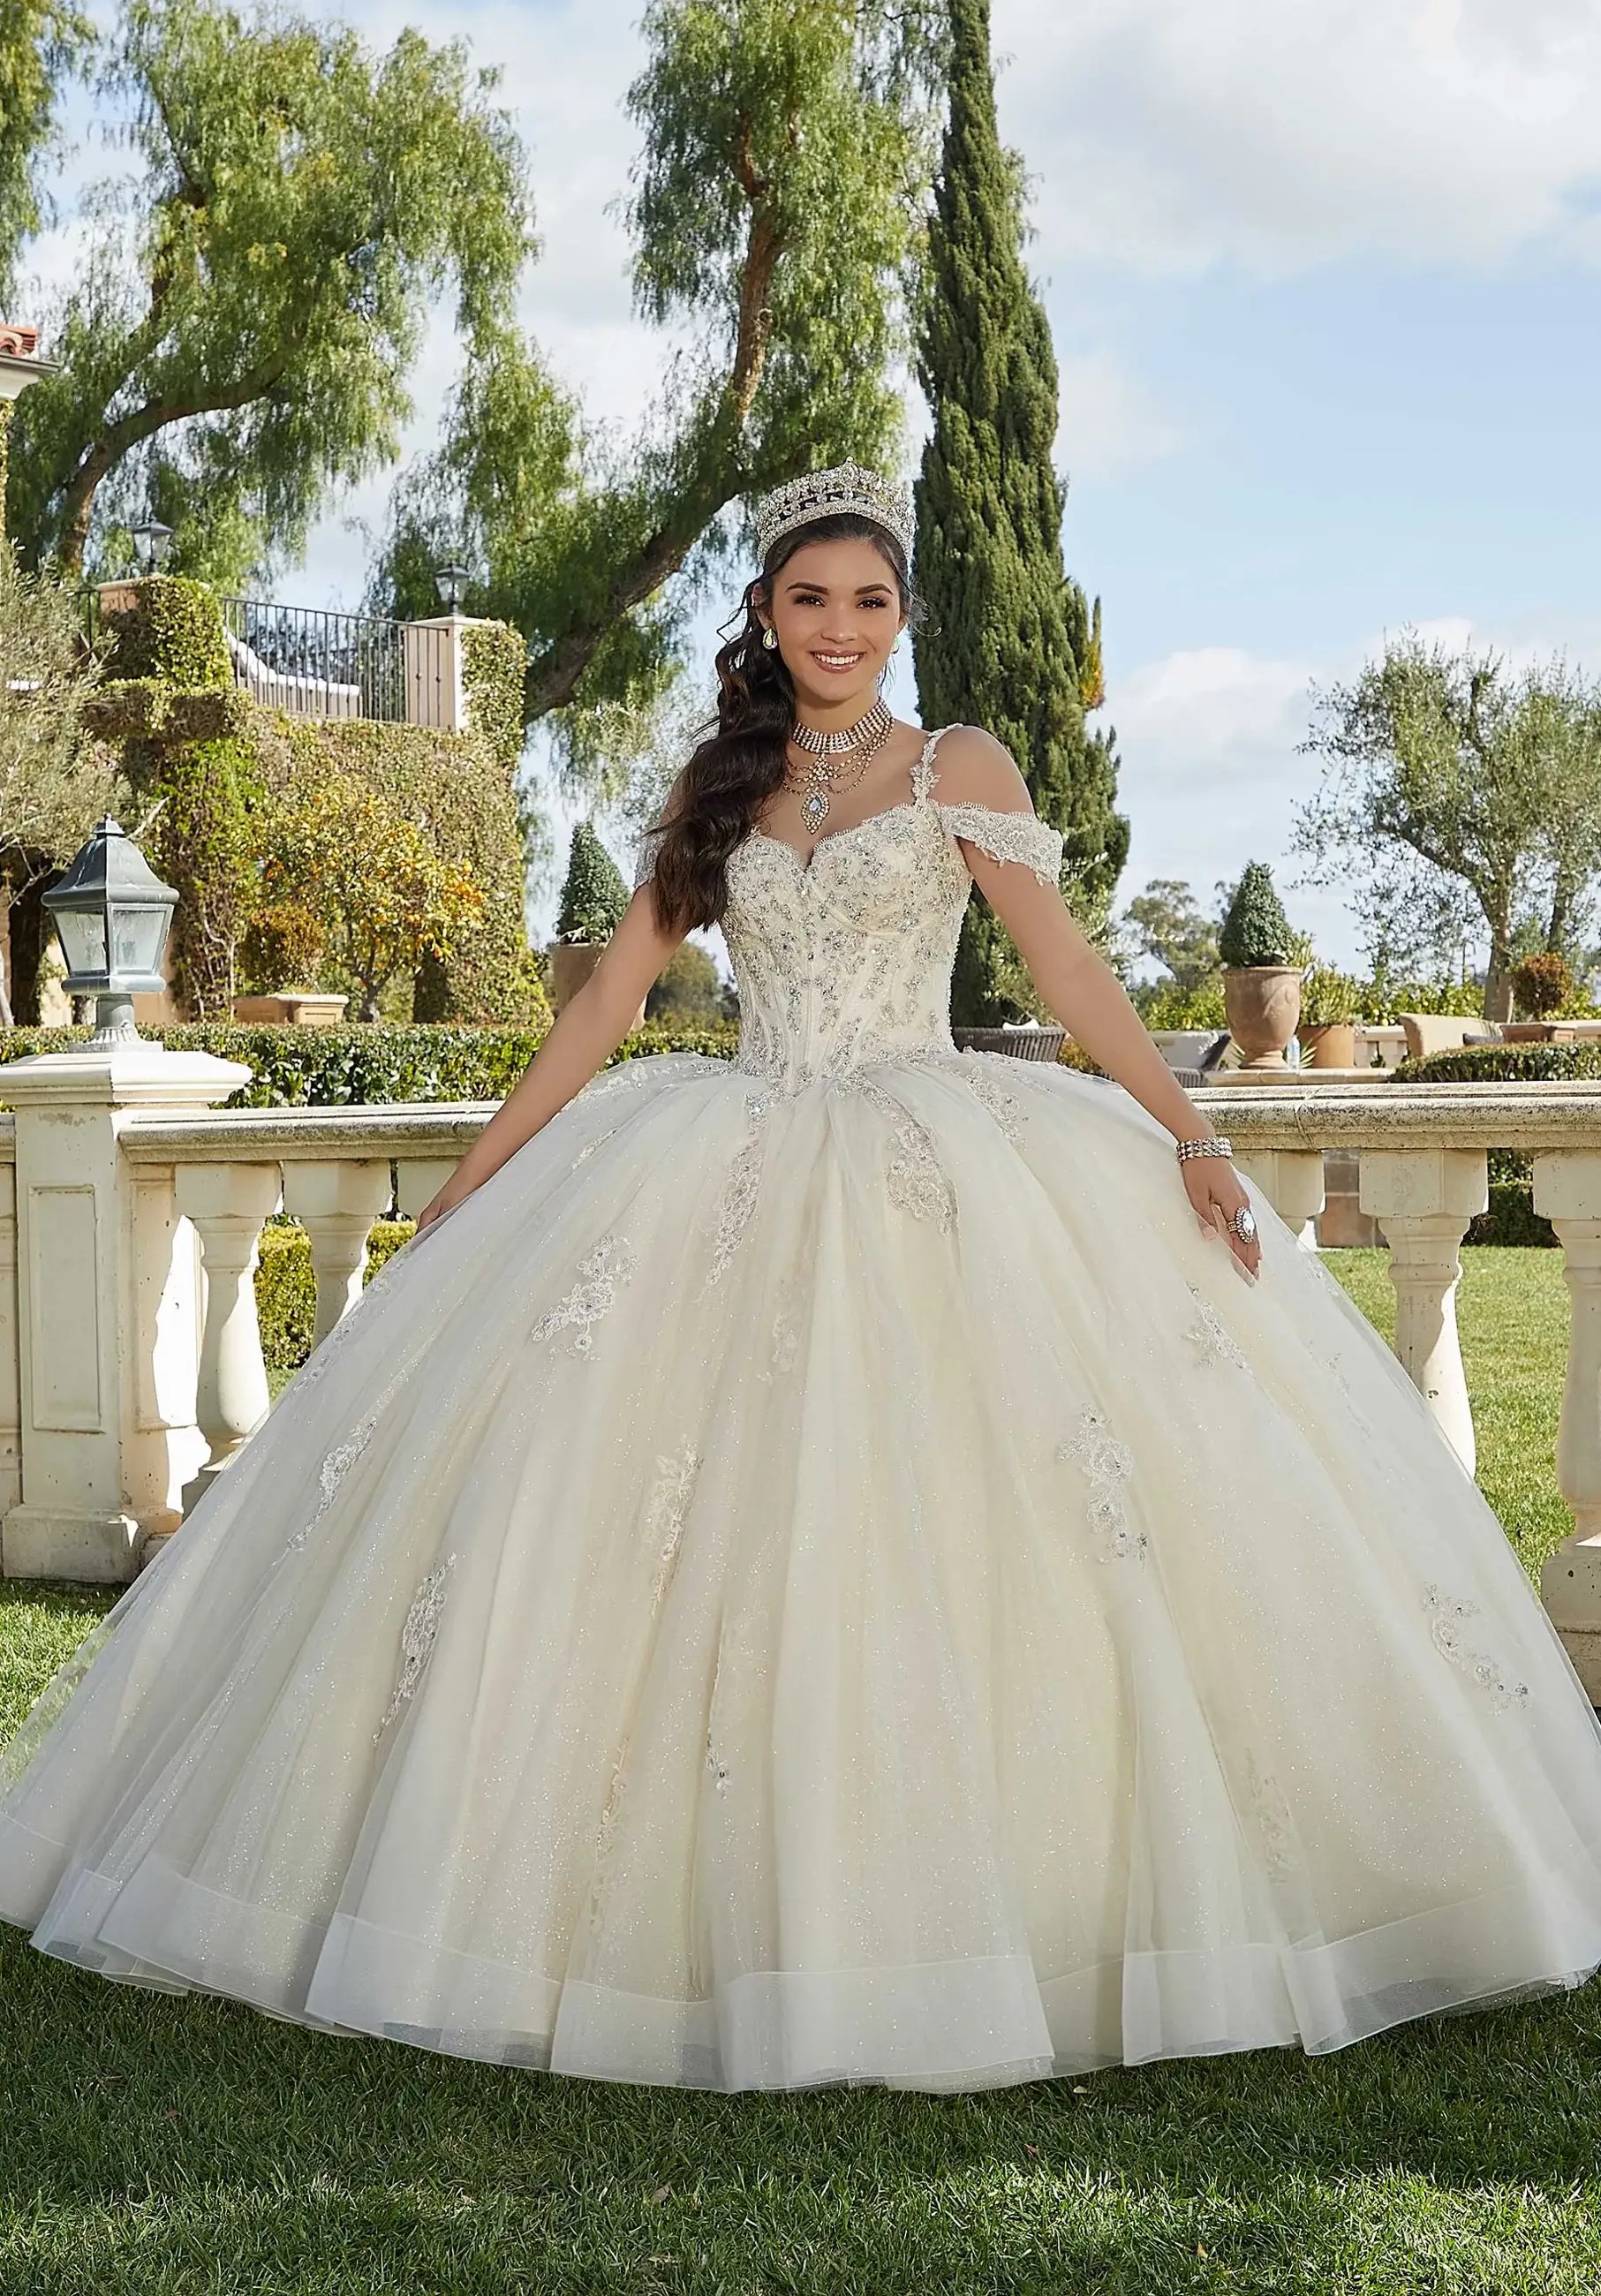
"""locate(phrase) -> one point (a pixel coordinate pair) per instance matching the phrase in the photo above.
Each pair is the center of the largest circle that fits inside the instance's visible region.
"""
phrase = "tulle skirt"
(845, 1586)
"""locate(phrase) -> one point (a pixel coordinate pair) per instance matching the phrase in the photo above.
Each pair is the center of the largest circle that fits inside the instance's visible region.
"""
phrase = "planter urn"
(1263, 1004)
(571, 963)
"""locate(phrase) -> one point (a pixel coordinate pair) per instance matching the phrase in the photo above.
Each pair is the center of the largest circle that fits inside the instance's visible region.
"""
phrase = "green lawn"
(154, 2146)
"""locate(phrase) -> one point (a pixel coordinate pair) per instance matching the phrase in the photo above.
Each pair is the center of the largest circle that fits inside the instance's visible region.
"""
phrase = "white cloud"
(1275, 134)
(1112, 423)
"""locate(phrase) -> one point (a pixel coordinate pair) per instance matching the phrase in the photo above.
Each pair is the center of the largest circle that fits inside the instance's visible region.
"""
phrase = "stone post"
(1292, 1180)
(1424, 1198)
(108, 1309)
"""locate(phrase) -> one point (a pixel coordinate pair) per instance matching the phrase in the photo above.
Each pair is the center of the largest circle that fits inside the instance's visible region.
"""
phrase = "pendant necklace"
(858, 745)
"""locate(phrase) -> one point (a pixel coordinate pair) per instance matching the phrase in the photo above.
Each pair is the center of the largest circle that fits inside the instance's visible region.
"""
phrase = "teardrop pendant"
(813, 808)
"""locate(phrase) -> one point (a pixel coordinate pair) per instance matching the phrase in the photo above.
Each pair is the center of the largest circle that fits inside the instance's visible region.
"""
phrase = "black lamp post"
(152, 542)
(112, 914)
(451, 580)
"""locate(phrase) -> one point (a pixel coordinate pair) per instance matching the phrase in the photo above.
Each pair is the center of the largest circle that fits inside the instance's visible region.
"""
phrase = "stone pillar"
(336, 1204)
(10, 1365)
(1424, 1198)
(229, 1205)
(107, 1310)
(1292, 1180)
(435, 690)
(1567, 1189)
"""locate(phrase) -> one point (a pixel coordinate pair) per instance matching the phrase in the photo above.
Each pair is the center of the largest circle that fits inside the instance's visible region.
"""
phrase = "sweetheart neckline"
(804, 868)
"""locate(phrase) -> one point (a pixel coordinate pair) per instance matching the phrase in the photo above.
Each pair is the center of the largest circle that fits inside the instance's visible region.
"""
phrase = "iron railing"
(312, 663)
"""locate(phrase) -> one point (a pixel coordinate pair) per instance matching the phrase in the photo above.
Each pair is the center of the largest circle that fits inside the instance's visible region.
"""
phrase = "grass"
(189, 2147)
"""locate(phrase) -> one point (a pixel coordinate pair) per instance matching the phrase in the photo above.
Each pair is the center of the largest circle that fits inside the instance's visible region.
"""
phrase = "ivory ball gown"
(819, 1571)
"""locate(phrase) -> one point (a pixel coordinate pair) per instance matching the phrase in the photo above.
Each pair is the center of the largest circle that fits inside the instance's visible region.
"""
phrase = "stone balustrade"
(131, 1214)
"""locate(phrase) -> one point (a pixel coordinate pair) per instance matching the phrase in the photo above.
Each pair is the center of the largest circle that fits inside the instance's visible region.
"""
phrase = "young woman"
(865, 1563)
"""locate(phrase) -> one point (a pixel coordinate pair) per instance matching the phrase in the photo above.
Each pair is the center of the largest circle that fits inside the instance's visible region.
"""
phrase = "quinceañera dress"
(819, 1571)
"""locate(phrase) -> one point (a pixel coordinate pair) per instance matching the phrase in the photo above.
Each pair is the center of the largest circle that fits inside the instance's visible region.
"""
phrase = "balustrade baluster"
(1567, 1189)
(1292, 1180)
(1424, 1198)
(336, 1203)
(228, 1204)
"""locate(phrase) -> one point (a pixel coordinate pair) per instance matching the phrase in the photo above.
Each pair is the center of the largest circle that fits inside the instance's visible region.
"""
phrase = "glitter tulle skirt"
(845, 1586)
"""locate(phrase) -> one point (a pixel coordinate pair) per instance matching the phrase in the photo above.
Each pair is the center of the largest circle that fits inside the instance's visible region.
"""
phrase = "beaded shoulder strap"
(925, 773)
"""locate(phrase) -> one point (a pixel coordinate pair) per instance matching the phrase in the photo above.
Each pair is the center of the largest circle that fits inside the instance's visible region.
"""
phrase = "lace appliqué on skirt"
(603, 1271)
(1448, 1615)
(1212, 1336)
(915, 1182)
(417, 1639)
(1107, 1465)
(738, 1198)
(1273, 1819)
(665, 1513)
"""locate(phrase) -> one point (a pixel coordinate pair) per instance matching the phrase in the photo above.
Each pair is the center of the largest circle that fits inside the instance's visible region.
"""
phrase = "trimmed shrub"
(286, 1287)
(1540, 983)
(304, 1067)
(594, 896)
(1504, 1064)
(1256, 930)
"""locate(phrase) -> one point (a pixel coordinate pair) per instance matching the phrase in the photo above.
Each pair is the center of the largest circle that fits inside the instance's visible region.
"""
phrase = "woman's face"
(836, 609)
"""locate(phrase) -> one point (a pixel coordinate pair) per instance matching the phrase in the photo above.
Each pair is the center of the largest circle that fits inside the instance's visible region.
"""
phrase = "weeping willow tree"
(1008, 642)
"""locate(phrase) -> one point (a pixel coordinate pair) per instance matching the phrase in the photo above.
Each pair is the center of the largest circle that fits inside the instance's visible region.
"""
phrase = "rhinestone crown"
(825, 493)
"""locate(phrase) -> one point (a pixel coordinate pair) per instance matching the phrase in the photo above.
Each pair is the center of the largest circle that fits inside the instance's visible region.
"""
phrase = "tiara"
(825, 494)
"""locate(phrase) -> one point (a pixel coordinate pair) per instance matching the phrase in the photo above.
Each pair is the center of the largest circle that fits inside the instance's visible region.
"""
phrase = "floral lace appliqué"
(603, 1271)
(1107, 1465)
(1447, 1616)
(1273, 1819)
(740, 1189)
(1007, 836)
(666, 1510)
(1212, 1336)
(417, 1639)
(915, 1181)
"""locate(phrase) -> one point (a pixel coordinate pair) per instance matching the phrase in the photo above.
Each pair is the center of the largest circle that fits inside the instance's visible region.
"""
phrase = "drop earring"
(769, 638)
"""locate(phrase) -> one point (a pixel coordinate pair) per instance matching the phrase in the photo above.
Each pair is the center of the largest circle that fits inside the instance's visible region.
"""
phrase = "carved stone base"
(1570, 1586)
(107, 1550)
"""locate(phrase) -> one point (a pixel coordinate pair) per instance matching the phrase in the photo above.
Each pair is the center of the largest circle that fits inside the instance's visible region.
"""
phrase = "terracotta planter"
(1263, 1004)
(1329, 1043)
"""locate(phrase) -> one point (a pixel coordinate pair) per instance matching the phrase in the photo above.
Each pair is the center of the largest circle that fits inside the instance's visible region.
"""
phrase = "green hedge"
(301, 1067)
(286, 1287)
(1504, 1064)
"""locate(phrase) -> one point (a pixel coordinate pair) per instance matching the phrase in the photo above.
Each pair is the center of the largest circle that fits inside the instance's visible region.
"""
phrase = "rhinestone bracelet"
(1209, 1143)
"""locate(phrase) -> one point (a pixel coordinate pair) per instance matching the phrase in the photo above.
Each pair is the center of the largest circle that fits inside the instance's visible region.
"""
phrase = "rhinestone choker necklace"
(858, 745)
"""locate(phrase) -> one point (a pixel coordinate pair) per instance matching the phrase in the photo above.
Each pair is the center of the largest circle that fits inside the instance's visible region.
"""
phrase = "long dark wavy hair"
(741, 761)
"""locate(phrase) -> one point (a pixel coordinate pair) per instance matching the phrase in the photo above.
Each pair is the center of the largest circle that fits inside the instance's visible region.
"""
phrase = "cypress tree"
(997, 646)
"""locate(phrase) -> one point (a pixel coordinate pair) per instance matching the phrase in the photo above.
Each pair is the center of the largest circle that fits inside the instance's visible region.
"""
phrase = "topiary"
(1540, 983)
(594, 896)
(1256, 930)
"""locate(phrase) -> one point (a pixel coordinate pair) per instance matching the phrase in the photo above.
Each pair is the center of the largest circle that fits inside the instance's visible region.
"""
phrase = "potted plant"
(1261, 981)
(1328, 1012)
(1539, 984)
(594, 898)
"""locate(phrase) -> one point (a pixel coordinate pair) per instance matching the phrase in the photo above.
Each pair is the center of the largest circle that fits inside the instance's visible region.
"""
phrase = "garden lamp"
(152, 541)
(450, 580)
(112, 914)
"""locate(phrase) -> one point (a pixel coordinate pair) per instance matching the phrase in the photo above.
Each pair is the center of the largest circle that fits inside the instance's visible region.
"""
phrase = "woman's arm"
(1079, 987)
(584, 1034)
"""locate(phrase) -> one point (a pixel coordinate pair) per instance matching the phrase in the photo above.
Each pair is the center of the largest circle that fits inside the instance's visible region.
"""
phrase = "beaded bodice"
(847, 959)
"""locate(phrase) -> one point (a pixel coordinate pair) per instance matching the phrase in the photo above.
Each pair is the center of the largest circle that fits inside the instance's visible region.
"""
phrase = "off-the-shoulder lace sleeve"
(1007, 836)
(645, 852)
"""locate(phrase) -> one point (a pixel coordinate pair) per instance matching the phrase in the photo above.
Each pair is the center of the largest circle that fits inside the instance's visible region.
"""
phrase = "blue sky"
(1322, 279)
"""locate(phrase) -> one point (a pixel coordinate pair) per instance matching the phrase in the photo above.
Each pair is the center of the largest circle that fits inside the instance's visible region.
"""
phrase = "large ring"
(1243, 1224)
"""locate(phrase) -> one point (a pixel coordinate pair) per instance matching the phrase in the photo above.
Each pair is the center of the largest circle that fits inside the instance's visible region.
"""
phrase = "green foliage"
(39, 42)
(1459, 795)
(297, 1066)
(775, 217)
(494, 658)
(55, 779)
(688, 988)
(1503, 1064)
(1165, 921)
(1328, 996)
(1169, 1004)
(281, 947)
(171, 631)
(1540, 983)
(1255, 930)
(996, 648)
(206, 844)
(286, 1286)
(244, 317)
(594, 896)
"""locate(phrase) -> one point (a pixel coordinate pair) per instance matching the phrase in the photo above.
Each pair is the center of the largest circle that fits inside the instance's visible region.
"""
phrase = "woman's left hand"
(1217, 1192)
